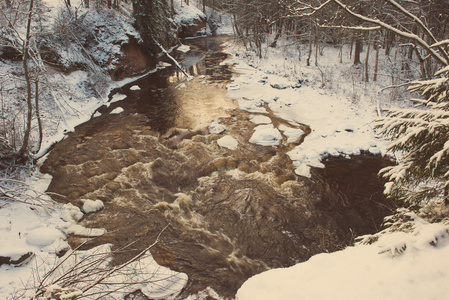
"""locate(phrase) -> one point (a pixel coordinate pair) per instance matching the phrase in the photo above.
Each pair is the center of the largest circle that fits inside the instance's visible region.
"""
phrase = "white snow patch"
(266, 135)
(44, 236)
(117, 110)
(90, 206)
(216, 128)
(117, 97)
(183, 48)
(135, 88)
(187, 14)
(163, 65)
(228, 142)
(398, 266)
(96, 114)
(258, 119)
(293, 134)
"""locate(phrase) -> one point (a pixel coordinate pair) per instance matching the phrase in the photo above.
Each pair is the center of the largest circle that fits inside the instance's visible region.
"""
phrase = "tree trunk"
(376, 63)
(389, 37)
(204, 6)
(310, 45)
(38, 116)
(367, 58)
(23, 152)
(316, 45)
(357, 51)
(278, 35)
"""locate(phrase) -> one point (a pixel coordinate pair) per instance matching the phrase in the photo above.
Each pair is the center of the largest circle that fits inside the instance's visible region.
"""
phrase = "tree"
(23, 152)
(153, 22)
(25, 47)
(421, 136)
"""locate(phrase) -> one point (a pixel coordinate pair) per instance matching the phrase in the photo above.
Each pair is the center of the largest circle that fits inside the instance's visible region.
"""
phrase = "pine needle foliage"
(154, 22)
(420, 137)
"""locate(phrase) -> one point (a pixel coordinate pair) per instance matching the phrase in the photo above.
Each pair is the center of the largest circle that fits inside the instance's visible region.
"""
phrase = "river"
(230, 213)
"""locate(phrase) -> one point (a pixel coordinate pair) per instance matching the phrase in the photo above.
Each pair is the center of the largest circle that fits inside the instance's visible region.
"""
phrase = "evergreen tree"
(421, 137)
(153, 20)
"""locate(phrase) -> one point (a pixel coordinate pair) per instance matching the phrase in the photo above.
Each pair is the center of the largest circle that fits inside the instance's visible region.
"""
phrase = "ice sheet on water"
(228, 142)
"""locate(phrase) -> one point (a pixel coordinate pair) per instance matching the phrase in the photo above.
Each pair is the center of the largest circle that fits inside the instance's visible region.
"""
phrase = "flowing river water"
(231, 213)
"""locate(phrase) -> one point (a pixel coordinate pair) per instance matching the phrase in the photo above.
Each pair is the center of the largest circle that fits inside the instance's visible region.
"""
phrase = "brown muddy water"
(231, 213)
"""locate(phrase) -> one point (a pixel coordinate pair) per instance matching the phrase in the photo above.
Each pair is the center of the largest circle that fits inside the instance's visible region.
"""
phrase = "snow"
(117, 97)
(92, 205)
(61, 3)
(187, 14)
(258, 119)
(228, 142)
(183, 48)
(266, 135)
(293, 134)
(135, 88)
(399, 266)
(117, 110)
(339, 110)
(216, 128)
(338, 127)
(44, 236)
(38, 225)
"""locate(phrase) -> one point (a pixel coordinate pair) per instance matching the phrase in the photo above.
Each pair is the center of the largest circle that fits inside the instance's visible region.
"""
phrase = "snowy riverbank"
(404, 261)
(33, 227)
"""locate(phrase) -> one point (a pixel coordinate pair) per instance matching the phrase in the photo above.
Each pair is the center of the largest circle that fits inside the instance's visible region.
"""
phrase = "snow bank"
(338, 128)
(398, 265)
(187, 14)
(39, 230)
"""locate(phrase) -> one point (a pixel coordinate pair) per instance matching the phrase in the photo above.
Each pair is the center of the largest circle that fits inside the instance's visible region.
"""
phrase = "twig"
(174, 60)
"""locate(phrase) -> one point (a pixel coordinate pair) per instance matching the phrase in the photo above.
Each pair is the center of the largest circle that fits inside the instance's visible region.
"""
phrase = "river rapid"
(230, 213)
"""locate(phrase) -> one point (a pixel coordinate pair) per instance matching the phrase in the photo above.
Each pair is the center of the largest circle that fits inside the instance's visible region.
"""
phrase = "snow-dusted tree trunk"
(23, 152)
(367, 58)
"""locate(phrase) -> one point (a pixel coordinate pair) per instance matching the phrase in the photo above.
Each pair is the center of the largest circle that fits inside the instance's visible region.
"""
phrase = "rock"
(5, 260)
(280, 86)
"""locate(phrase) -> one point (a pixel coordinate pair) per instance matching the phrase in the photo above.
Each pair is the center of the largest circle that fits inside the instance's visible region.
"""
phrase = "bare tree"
(23, 152)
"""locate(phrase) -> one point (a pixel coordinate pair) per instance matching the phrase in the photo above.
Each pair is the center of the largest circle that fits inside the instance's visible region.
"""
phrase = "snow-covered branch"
(415, 38)
(360, 28)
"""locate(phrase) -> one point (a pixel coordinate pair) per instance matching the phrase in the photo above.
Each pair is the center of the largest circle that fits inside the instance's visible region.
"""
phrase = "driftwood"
(173, 59)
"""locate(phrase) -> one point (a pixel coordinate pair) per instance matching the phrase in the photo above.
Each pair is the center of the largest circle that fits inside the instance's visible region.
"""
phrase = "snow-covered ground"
(33, 228)
(408, 260)
(338, 127)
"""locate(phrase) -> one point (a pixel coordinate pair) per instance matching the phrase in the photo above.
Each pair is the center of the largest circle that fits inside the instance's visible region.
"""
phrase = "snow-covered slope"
(33, 228)
(407, 261)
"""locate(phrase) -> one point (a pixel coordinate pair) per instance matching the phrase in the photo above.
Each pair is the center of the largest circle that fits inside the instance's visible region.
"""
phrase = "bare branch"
(442, 60)
(360, 28)
(420, 24)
